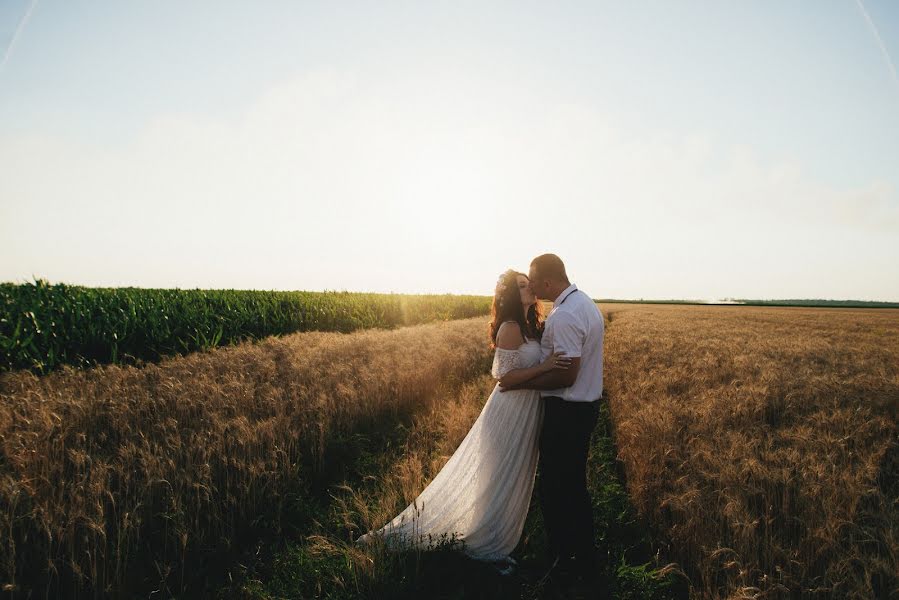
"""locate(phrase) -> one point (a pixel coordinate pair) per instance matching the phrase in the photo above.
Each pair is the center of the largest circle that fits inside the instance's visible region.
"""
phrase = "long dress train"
(481, 495)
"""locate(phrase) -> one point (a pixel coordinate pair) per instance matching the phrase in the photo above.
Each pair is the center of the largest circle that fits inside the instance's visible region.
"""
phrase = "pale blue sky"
(663, 149)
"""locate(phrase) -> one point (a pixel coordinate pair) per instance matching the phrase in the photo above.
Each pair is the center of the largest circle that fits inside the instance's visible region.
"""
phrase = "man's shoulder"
(589, 308)
(585, 300)
(567, 317)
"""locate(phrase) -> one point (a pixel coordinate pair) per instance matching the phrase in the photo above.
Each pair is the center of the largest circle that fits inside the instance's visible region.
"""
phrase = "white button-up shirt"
(575, 326)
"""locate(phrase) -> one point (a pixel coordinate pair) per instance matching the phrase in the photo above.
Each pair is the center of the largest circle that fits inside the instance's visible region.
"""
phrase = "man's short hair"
(549, 266)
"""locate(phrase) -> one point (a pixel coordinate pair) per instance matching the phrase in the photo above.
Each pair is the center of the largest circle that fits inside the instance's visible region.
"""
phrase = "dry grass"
(434, 435)
(108, 473)
(762, 443)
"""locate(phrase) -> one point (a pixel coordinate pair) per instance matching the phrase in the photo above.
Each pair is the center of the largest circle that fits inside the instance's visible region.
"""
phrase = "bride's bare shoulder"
(508, 336)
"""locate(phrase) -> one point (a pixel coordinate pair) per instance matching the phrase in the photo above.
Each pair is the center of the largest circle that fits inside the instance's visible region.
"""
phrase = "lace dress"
(481, 495)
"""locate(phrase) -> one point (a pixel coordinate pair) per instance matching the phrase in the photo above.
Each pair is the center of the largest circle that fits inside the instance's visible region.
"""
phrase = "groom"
(571, 400)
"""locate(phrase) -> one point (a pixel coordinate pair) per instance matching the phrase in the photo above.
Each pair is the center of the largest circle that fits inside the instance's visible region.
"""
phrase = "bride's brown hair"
(507, 307)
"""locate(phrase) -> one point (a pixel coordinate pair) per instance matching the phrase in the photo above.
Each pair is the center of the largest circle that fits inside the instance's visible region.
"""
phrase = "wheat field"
(120, 478)
(761, 444)
(758, 444)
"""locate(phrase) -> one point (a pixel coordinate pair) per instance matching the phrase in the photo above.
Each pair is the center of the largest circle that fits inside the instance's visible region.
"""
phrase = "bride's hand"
(556, 360)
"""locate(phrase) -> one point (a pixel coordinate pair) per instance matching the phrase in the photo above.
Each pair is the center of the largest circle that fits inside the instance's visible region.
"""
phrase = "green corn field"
(44, 326)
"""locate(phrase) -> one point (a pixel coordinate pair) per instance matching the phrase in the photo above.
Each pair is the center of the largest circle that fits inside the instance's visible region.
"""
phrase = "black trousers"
(564, 500)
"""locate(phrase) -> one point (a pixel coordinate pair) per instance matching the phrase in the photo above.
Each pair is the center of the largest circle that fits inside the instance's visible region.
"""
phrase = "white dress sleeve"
(503, 362)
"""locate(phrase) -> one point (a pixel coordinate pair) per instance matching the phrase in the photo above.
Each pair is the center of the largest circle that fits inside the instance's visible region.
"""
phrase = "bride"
(481, 495)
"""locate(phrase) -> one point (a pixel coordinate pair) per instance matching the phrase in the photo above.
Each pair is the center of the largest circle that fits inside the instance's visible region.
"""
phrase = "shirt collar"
(564, 294)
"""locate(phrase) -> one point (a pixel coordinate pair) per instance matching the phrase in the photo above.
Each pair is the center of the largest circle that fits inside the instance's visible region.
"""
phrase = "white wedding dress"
(482, 494)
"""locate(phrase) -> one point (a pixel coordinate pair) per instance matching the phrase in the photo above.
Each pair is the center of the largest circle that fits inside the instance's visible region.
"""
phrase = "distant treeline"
(43, 326)
(742, 302)
(845, 303)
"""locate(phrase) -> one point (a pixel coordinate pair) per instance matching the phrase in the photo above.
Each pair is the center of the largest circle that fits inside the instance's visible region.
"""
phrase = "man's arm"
(551, 380)
(568, 338)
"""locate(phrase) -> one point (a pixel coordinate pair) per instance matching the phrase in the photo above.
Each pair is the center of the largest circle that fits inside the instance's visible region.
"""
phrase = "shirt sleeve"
(568, 335)
(504, 361)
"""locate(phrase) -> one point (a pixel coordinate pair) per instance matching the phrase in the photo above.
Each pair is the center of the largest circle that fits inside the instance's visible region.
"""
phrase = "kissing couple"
(538, 418)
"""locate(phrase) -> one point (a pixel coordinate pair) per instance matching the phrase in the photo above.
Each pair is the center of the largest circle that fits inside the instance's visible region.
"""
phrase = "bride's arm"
(550, 380)
(516, 377)
(509, 338)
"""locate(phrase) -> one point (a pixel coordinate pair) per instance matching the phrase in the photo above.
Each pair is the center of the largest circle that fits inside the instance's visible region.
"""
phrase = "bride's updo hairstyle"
(507, 307)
